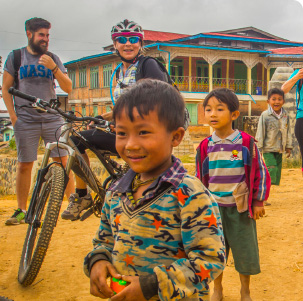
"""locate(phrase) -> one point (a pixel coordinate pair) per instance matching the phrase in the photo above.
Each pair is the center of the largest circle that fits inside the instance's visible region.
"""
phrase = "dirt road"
(61, 277)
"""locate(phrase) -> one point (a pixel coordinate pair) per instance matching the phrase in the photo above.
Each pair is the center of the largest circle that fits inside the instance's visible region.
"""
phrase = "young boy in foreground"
(274, 135)
(230, 166)
(160, 229)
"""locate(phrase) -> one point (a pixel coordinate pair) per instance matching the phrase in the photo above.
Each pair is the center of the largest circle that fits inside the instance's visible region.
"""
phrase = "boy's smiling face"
(276, 101)
(219, 117)
(145, 143)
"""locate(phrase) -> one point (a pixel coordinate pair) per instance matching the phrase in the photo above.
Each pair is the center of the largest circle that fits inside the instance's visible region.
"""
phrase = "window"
(6, 137)
(82, 77)
(95, 110)
(107, 73)
(193, 113)
(257, 45)
(199, 72)
(108, 109)
(73, 108)
(94, 77)
(218, 73)
(224, 43)
(83, 111)
(206, 72)
(72, 76)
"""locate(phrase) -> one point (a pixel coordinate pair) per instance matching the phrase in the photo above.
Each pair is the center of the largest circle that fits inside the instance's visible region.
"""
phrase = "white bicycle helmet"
(127, 28)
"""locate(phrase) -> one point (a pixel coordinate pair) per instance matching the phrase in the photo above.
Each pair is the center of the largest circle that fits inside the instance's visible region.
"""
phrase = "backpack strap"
(139, 71)
(117, 74)
(17, 64)
(300, 84)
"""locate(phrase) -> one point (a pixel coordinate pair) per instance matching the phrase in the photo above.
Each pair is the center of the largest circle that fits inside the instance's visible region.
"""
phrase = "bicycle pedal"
(87, 214)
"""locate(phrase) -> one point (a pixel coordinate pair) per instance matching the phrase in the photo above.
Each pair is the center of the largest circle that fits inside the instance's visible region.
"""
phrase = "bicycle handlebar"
(20, 94)
(55, 110)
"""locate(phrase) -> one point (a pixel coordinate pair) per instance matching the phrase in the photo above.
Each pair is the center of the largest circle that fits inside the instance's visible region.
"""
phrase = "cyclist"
(33, 70)
(128, 39)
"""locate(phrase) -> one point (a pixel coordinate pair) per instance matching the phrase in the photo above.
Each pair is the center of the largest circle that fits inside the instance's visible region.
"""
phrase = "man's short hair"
(273, 91)
(226, 96)
(34, 24)
(152, 95)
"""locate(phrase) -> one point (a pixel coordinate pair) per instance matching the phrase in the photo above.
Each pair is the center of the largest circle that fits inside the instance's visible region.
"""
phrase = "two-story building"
(241, 59)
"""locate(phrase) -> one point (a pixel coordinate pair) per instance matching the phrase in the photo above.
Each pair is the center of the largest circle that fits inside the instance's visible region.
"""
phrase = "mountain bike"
(52, 178)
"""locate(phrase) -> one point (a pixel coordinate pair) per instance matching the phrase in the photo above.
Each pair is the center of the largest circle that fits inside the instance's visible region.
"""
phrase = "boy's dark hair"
(226, 96)
(35, 24)
(273, 91)
(149, 95)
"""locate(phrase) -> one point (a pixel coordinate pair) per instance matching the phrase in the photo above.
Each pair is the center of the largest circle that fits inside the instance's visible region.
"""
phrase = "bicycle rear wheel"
(44, 220)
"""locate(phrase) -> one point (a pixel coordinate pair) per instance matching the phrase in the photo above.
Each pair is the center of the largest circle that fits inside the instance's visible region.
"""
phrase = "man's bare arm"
(8, 81)
(64, 81)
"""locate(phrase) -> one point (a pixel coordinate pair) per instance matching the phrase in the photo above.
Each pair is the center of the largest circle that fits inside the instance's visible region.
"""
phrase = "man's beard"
(36, 47)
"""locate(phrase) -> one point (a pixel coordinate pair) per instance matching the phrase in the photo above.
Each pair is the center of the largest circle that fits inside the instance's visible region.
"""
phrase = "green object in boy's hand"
(117, 285)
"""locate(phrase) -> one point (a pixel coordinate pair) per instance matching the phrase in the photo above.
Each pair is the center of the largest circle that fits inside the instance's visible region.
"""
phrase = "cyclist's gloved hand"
(92, 123)
(112, 126)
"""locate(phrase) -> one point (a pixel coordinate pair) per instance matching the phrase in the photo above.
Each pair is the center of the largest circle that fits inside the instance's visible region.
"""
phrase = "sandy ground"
(61, 277)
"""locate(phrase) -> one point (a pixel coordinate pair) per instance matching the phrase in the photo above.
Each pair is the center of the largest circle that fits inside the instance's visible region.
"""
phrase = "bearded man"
(32, 70)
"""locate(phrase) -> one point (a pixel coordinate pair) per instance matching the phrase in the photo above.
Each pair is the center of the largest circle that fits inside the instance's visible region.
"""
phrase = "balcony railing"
(259, 87)
(201, 84)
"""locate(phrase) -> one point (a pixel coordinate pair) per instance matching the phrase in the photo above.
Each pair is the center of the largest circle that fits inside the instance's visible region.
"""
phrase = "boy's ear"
(235, 115)
(177, 136)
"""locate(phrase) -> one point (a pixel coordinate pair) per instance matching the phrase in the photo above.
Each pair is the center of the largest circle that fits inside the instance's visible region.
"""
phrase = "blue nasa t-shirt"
(36, 80)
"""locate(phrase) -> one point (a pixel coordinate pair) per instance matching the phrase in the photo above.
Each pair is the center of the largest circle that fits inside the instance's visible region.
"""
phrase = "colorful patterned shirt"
(226, 167)
(128, 79)
(175, 235)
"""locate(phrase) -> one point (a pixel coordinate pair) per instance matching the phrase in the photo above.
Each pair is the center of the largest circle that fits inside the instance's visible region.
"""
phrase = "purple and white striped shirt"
(226, 167)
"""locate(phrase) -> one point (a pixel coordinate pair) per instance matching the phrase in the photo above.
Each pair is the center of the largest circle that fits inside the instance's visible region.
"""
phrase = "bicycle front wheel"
(40, 230)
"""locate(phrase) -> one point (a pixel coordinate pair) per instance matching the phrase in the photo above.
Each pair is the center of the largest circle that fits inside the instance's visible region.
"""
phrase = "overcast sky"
(82, 27)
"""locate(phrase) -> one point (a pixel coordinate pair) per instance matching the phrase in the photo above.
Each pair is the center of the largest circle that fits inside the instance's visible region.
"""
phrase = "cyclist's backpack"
(139, 72)
(17, 64)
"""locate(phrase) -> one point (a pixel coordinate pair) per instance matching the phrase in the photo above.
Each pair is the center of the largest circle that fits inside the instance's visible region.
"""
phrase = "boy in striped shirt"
(230, 166)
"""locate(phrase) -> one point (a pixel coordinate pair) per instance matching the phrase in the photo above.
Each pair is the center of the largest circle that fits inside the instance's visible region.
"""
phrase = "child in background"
(160, 228)
(274, 135)
(229, 164)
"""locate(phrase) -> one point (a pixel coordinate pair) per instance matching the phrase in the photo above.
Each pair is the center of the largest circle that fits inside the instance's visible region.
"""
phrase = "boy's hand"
(132, 292)
(98, 274)
(258, 212)
(288, 152)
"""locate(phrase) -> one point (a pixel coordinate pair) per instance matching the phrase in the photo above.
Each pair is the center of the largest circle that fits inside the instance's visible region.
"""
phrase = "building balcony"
(201, 84)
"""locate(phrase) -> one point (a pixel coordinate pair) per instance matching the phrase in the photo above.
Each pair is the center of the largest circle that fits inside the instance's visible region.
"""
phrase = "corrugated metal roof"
(161, 36)
(238, 38)
(88, 58)
(288, 50)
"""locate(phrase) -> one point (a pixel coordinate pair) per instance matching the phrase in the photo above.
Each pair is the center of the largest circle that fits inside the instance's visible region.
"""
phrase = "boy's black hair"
(273, 91)
(149, 95)
(226, 96)
(35, 24)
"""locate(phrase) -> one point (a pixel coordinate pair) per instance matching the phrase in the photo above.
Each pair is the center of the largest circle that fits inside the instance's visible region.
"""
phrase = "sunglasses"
(123, 40)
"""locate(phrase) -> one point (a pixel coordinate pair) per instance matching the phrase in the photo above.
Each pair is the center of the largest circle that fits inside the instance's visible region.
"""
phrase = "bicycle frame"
(77, 164)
